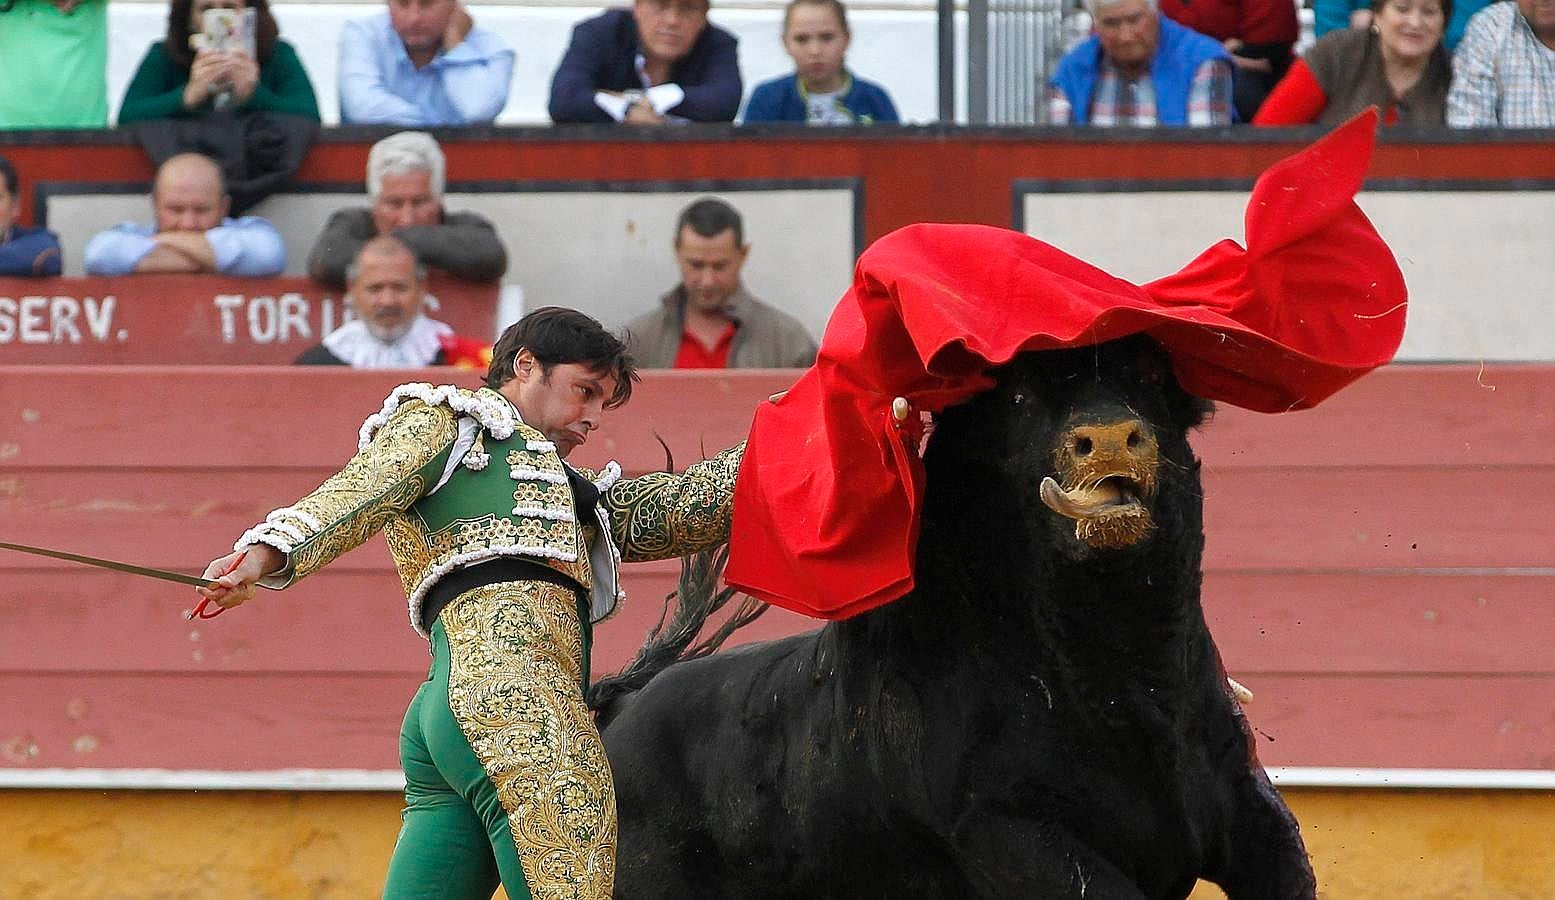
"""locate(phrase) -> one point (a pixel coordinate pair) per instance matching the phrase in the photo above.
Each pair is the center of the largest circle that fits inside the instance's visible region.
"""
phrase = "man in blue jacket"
(23, 251)
(656, 63)
(1141, 69)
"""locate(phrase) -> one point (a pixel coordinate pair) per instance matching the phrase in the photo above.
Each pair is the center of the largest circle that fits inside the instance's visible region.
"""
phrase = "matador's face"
(564, 404)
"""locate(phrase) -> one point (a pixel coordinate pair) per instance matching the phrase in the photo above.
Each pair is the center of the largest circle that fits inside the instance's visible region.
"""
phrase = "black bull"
(1045, 715)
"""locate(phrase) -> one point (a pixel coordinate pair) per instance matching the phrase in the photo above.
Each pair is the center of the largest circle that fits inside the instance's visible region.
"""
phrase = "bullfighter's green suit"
(507, 556)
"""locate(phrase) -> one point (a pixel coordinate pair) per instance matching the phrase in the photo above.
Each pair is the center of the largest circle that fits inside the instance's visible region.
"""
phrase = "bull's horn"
(1243, 695)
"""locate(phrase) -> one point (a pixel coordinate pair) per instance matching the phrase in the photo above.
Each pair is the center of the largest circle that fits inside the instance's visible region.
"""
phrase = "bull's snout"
(1108, 472)
(1117, 441)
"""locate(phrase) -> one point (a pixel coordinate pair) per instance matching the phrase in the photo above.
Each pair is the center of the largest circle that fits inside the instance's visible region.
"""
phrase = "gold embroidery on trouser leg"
(514, 687)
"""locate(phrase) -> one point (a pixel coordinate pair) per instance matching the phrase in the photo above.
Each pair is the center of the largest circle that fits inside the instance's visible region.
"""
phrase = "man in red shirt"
(709, 320)
(1260, 35)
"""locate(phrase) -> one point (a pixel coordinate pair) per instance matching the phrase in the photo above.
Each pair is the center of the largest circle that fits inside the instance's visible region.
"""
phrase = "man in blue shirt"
(192, 233)
(658, 62)
(23, 251)
(424, 63)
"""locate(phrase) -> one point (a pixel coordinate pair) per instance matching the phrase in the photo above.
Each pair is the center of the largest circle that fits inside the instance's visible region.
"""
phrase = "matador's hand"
(237, 586)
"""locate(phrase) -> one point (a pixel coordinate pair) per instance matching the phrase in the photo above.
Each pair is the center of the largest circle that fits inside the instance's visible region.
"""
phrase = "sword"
(132, 569)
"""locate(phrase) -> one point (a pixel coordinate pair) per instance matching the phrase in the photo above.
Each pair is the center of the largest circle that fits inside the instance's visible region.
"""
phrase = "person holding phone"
(176, 80)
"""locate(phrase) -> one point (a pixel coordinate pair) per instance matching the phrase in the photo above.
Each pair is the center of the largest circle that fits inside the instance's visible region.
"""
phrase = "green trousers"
(509, 661)
(455, 843)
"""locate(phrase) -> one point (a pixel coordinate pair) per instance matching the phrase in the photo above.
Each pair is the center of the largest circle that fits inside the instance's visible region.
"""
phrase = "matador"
(508, 555)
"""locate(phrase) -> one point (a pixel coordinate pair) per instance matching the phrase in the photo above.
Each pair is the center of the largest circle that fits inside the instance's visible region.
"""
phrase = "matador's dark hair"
(557, 335)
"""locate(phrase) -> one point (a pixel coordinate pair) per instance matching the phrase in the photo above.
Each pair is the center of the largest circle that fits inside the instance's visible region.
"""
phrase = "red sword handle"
(201, 611)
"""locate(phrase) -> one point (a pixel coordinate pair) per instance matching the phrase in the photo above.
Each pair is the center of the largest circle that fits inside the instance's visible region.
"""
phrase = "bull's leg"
(1009, 857)
(1268, 860)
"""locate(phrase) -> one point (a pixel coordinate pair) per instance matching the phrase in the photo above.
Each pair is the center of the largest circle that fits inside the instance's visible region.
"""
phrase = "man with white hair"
(388, 294)
(1141, 69)
(405, 178)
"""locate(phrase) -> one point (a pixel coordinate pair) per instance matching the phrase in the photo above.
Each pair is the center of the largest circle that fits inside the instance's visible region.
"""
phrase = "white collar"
(418, 347)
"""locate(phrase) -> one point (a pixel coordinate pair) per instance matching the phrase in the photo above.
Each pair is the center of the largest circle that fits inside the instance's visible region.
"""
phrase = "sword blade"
(128, 568)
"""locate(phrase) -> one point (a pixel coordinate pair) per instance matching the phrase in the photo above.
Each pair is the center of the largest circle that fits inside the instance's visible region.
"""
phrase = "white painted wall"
(1478, 264)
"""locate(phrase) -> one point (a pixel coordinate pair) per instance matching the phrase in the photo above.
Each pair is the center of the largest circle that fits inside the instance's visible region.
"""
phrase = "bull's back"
(723, 768)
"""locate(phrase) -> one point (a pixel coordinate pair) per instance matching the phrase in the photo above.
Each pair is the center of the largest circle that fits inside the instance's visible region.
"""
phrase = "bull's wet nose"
(1119, 439)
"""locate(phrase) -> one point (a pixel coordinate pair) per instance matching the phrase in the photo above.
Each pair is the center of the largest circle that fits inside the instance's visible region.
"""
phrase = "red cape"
(826, 505)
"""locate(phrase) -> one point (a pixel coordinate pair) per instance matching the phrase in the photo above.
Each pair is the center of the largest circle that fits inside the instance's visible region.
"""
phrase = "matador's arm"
(660, 514)
(404, 460)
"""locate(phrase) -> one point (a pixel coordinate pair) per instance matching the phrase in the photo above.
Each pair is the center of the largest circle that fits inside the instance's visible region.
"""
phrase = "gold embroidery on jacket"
(659, 515)
(514, 686)
(377, 484)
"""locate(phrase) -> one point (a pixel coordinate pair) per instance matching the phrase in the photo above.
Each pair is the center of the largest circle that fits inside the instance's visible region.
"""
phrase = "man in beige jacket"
(710, 321)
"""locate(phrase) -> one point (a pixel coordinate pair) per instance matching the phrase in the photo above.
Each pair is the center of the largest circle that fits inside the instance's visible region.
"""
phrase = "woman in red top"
(1399, 66)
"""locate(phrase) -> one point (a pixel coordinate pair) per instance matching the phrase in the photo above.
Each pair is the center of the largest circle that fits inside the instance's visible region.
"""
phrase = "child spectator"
(1398, 65)
(821, 91)
(255, 115)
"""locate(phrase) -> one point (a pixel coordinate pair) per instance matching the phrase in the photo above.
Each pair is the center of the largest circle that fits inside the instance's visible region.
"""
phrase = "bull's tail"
(686, 610)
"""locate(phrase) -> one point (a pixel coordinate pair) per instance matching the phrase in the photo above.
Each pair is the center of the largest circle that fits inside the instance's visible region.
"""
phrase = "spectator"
(192, 231)
(251, 109)
(821, 91)
(175, 81)
(1259, 34)
(1504, 71)
(422, 63)
(23, 251)
(1141, 69)
(1332, 15)
(658, 62)
(710, 321)
(405, 175)
(53, 64)
(1397, 65)
(387, 293)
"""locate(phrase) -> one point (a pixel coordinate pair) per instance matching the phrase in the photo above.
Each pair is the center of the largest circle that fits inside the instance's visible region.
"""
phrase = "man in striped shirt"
(1141, 69)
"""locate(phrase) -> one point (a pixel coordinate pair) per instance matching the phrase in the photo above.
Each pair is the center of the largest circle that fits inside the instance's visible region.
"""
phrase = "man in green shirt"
(53, 64)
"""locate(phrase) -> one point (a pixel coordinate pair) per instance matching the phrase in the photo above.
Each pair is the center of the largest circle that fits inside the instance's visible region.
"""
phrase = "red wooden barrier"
(195, 319)
(1378, 570)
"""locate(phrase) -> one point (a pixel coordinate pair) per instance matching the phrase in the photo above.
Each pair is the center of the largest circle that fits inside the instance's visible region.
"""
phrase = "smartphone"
(226, 30)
